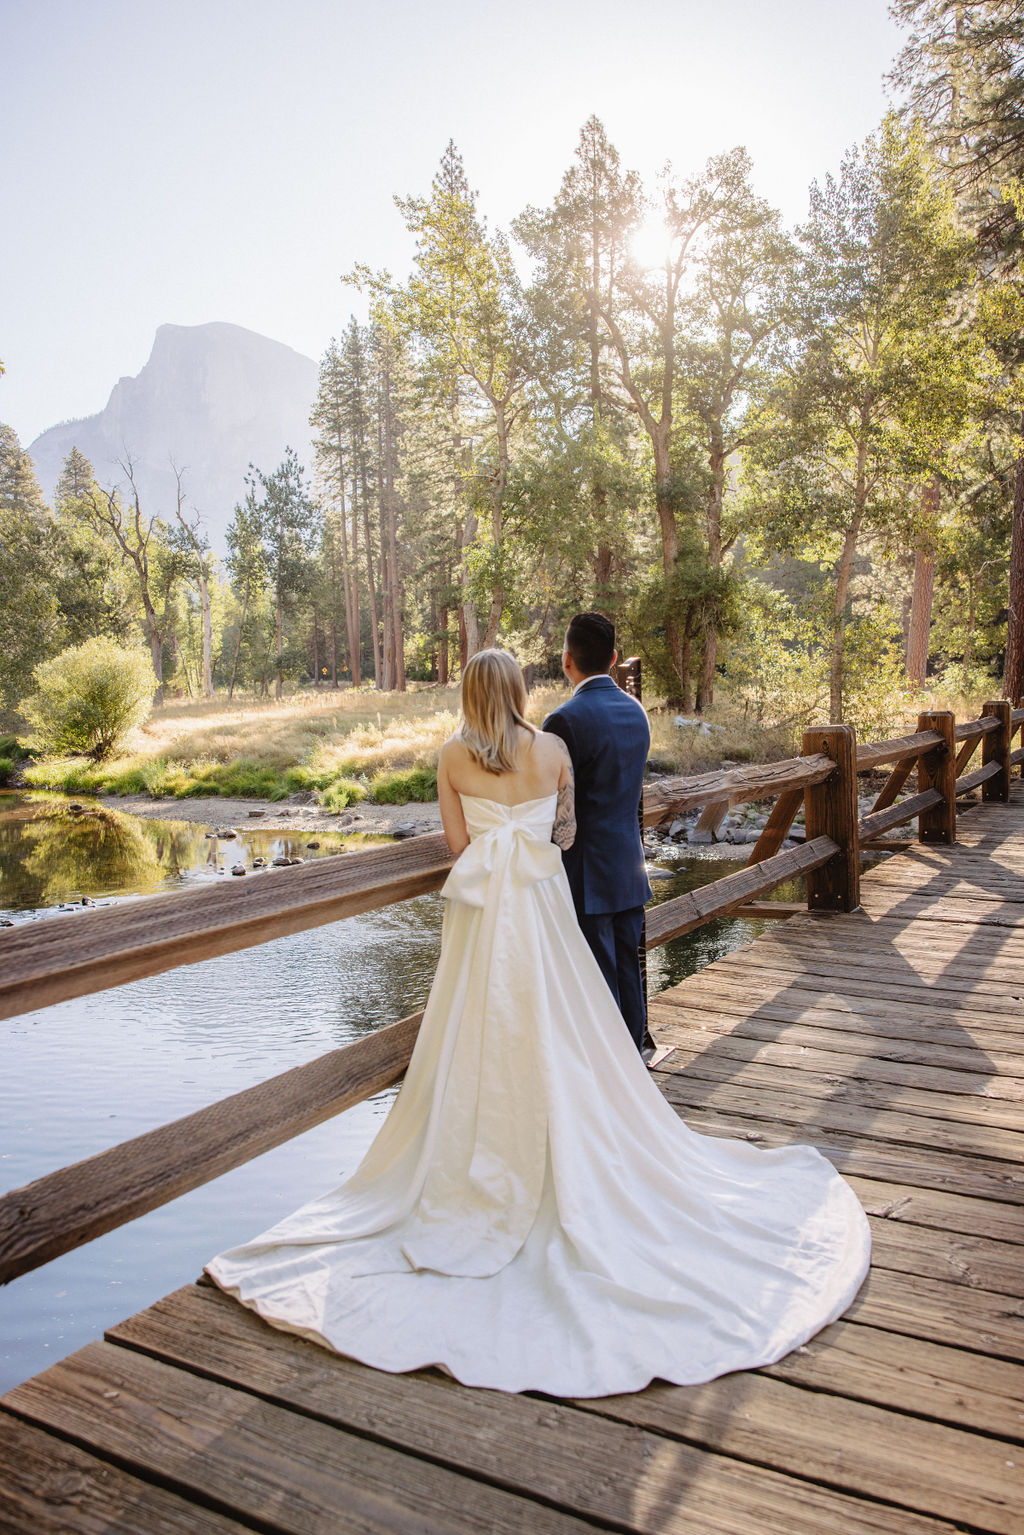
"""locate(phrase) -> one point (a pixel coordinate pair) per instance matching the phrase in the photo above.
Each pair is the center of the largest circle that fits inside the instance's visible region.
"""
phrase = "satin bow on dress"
(533, 1215)
(509, 841)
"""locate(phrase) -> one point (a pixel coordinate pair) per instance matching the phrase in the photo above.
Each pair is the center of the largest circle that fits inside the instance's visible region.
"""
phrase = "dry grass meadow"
(348, 744)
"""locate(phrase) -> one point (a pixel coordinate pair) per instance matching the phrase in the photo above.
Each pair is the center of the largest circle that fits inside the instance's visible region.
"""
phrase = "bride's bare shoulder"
(552, 746)
(453, 748)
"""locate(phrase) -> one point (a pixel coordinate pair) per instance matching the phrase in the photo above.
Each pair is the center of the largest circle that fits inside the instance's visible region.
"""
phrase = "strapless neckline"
(485, 799)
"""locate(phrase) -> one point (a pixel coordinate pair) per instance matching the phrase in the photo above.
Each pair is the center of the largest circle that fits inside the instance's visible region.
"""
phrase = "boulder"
(238, 868)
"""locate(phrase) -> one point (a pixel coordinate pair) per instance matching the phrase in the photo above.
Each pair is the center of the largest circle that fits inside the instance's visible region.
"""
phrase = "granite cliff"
(211, 398)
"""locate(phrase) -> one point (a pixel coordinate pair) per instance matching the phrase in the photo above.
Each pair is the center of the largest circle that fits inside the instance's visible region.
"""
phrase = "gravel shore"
(282, 815)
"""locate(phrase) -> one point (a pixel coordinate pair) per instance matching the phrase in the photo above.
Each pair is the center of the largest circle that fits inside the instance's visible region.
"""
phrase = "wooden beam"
(975, 729)
(777, 826)
(667, 797)
(776, 909)
(71, 956)
(873, 754)
(673, 918)
(880, 821)
(894, 783)
(981, 775)
(65, 1209)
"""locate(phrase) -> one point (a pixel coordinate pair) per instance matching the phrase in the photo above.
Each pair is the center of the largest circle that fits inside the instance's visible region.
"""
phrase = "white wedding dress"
(532, 1214)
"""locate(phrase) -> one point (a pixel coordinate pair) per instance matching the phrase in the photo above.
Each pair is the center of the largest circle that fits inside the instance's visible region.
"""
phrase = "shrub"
(342, 793)
(88, 698)
(13, 756)
(418, 783)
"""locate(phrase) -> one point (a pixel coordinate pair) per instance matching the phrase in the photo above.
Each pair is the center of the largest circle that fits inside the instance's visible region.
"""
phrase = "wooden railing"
(46, 962)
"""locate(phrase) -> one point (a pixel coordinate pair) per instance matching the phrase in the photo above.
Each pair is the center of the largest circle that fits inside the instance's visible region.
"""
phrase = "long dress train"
(532, 1214)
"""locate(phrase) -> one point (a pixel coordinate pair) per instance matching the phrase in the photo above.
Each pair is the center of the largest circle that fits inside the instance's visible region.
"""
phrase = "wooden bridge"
(884, 1025)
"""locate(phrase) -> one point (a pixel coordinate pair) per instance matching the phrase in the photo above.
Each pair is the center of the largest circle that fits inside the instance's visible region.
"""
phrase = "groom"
(608, 736)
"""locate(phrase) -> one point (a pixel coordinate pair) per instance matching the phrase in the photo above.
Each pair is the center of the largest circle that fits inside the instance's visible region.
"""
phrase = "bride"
(532, 1214)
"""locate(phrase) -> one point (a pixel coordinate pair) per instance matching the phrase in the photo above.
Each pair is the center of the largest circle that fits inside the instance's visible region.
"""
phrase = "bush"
(12, 757)
(418, 783)
(342, 793)
(88, 698)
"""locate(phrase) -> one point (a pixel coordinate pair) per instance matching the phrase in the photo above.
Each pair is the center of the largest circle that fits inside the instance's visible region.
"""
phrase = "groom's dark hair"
(590, 640)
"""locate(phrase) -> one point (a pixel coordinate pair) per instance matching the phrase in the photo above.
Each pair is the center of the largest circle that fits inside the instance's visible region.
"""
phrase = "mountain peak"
(211, 399)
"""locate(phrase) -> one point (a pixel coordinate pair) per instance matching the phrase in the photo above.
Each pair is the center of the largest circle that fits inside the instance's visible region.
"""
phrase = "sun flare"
(650, 245)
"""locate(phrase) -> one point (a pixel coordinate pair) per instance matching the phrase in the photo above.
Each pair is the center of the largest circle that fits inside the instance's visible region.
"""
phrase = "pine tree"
(884, 385)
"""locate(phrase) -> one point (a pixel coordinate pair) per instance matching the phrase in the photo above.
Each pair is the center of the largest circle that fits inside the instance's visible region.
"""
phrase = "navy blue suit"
(608, 737)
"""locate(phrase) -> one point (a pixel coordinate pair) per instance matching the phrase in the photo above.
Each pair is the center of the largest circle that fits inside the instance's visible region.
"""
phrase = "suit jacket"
(608, 736)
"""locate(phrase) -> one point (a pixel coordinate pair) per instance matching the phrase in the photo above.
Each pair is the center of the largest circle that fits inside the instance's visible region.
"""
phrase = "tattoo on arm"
(563, 832)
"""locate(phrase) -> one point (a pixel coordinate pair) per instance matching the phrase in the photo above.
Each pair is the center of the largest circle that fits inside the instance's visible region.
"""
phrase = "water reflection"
(55, 851)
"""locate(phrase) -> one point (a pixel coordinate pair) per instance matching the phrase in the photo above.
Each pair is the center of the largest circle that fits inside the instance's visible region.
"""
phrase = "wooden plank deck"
(893, 1039)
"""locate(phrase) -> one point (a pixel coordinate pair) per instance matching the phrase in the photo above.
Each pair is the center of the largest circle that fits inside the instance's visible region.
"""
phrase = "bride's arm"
(452, 818)
(563, 832)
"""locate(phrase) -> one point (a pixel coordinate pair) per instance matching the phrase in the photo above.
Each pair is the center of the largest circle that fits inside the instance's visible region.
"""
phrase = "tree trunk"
(470, 627)
(351, 580)
(665, 506)
(372, 597)
(279, 662)
(156, 649)
(238, 642)
(843, 573)
(207, 606)
(442, 647)
(1013, 671)
(686, 694)
(391, 519)
(716, 553)
(919, 628)
(708, 661)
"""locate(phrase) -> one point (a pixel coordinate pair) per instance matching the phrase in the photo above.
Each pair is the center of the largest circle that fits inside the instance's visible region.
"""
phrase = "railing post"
(830, 810)
(995, 747)
(936, 769)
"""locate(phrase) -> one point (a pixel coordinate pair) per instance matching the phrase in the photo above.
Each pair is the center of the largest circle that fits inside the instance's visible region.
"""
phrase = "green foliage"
(89, 698)
(418, 783)
(698, 597)
(342, 793)
(13, 756)
(775, 663)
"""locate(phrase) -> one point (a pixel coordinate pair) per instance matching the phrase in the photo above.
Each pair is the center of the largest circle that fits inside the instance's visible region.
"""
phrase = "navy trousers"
(614, 939)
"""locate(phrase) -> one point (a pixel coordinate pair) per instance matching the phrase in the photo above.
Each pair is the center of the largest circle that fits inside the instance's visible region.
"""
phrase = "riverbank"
(273, 815)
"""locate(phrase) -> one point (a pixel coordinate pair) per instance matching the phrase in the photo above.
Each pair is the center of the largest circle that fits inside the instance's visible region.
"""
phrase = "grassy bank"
(351, 745)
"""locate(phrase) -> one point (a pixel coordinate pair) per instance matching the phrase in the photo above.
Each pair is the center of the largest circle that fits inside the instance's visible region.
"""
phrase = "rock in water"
(238, 868)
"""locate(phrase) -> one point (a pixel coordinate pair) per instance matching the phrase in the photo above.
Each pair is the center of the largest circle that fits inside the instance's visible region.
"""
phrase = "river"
(83, 1075)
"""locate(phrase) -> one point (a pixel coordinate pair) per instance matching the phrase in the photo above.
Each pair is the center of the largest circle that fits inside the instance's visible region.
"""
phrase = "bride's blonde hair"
(493, 705)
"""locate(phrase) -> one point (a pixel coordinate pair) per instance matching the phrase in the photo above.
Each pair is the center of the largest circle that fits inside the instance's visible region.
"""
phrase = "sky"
(182, 161)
